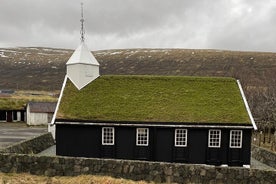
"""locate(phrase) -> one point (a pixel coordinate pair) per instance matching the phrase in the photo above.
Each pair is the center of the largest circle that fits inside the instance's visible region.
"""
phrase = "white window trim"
(231, 139)
(209, 138)
(137, 130)
(113, 136)
(175, 137)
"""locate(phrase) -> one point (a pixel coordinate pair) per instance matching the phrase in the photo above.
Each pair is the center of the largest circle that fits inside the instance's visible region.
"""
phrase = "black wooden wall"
(10, 115)
(3, 116)
(85, 141)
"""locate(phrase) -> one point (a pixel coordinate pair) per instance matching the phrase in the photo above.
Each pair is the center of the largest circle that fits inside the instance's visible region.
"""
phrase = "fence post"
(264, 134)
(260, 138)
(269, 133)
(273, 143)
(254, 140)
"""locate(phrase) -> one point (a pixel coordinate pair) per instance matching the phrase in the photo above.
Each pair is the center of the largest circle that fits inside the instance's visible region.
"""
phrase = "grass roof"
(19, 99)
(155, 99)
(12, 104)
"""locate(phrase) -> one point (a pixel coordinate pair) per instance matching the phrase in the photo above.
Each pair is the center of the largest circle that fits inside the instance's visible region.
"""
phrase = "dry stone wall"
(264, 156)
(135, 170)
(18, 159)
(31, 146)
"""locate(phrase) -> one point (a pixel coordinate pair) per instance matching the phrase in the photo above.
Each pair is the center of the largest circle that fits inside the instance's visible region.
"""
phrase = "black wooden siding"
(10, 115)
(3, 116)
(85, 141)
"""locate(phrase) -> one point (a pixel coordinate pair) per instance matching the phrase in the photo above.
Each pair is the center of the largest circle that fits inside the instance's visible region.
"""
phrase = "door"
(214, 156)
(125, 142)
(235, 157)
(197, 146)
(164, 142)
(9, 116)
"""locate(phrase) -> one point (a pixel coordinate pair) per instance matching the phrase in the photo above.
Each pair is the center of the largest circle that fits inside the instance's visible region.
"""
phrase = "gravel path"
(11, 133)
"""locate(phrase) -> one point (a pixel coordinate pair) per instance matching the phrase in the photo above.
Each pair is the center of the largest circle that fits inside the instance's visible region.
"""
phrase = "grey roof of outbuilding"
(46, 107)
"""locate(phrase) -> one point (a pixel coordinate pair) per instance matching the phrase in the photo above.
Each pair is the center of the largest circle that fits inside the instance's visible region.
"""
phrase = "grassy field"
(19, 99)
(12, 178)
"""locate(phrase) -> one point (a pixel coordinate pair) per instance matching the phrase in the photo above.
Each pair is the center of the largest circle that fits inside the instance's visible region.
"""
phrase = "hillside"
(32, 68)
(44, 68)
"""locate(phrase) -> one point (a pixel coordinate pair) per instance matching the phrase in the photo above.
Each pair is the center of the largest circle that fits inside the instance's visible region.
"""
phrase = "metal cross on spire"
(82, 24)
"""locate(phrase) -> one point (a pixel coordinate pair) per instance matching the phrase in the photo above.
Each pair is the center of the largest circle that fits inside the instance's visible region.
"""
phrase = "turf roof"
(155, 99)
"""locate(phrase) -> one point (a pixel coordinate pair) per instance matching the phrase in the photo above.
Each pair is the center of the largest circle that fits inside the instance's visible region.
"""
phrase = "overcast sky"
(114, 24)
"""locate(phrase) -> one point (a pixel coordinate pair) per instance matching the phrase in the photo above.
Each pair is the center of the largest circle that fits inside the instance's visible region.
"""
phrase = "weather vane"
(82, 24)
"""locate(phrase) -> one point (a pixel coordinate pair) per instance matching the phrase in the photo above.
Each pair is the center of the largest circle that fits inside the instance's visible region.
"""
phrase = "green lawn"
(155, 99)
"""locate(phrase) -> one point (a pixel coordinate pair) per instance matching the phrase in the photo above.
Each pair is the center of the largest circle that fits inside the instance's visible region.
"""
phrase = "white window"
(108, 136)
(235, 138)
(214, 138)
(180, 138)
(142, 136)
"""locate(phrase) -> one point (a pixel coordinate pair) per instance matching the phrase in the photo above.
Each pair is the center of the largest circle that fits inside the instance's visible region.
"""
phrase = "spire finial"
(82, 24)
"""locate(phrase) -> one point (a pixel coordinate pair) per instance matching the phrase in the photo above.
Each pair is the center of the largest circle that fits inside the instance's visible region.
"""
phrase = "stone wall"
(20, 158)
(31, 146)
(263, 155)
(135, 170)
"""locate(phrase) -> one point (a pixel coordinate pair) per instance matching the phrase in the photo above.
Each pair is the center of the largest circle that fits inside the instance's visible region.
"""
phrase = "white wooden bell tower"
(82, 67)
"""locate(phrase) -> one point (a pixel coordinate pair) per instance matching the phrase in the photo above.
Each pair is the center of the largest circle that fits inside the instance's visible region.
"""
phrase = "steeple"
(82, 24)
(82, 66)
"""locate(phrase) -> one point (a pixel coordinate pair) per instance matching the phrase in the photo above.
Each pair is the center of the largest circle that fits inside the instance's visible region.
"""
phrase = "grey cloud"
(218, 24)
(249, 26)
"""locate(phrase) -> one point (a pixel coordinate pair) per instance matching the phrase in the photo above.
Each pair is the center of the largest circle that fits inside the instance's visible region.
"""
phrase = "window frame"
(231, 139)
(138, 138)
(104, 142)
(178, 135)
(211, 140)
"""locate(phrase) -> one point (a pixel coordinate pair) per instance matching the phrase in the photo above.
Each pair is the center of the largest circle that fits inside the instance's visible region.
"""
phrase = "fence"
(265, 138)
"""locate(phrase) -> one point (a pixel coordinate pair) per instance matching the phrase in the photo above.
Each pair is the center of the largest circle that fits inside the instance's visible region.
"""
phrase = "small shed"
(11, 110)
(40, 113)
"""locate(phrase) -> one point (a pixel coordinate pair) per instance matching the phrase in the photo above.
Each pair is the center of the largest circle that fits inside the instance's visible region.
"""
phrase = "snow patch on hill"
(3, 55)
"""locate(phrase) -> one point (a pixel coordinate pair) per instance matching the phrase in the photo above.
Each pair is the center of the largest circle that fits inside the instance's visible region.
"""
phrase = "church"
(196, 120)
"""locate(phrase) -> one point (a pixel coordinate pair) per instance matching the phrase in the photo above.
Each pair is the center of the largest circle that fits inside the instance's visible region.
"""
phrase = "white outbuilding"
(40, 113)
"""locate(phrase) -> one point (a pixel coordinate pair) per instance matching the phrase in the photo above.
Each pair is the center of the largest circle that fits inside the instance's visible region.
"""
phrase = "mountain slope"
(44, 68)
